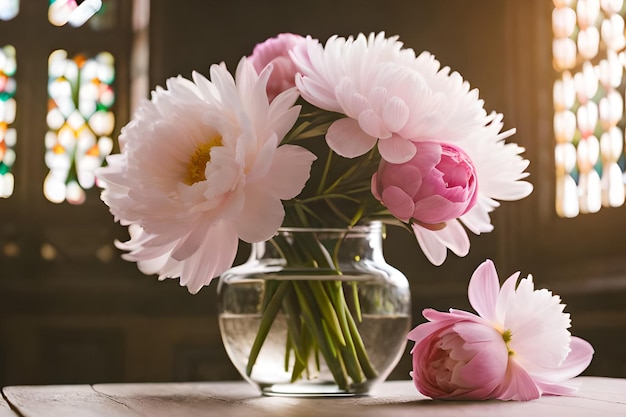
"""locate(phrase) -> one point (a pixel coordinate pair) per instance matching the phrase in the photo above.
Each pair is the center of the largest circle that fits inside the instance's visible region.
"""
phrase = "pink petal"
(351, 102)
(395, 114)
(283, 120)
(290, 170)
(427, 156)
(452, 315)
(396, 149)
(433, 249)
(488, 365)
(517, 385)
(569, 388)
(150, 266)
(424, 330)
(317, 93)
(506, 292)
(437, 209)
(261, 215)
(454, 237)
(374, 187)
(346, 138)
(477, 219)
(576, 361)
(405, 176)
(215, 256)
(399, 203)
(372, 124)
(483, 290)
(189, 244)
(438, 320)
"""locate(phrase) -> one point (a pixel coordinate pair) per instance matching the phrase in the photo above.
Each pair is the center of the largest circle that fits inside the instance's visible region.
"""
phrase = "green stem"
(266, 323)
(318, 317)
(355, 299)
(328, 197)
(368, 368)
(311, 315)
(348, 352)
(326, 309)
(327, 166)
(293, 313)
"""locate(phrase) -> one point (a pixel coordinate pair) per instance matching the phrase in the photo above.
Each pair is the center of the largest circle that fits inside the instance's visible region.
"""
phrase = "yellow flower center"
(200, 158)
(506, 336)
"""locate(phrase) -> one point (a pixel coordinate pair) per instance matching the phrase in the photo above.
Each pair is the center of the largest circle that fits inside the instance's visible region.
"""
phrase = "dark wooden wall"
(77, 320)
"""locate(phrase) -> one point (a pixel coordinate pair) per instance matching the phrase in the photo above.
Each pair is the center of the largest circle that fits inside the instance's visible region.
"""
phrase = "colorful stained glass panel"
(80, 122)
(8, 136)
(588, 96)
(74, 12)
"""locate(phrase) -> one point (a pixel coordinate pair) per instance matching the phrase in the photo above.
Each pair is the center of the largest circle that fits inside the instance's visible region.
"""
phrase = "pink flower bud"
(275, 51)
(437, 185)
(460, 360)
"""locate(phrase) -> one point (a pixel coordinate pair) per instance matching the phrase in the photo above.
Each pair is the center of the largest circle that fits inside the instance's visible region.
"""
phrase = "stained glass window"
(588, 96)
(80, 123)
(8, 136)
(9, 9)
(74, 12)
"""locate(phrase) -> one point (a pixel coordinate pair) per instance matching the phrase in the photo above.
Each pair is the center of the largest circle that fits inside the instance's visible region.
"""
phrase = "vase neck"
(323, 248)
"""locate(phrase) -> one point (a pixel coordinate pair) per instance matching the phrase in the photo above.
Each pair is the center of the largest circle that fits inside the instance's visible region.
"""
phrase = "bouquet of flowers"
(307, 134)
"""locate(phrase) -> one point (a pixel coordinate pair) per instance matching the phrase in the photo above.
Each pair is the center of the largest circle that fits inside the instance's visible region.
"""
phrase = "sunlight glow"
(588, 98)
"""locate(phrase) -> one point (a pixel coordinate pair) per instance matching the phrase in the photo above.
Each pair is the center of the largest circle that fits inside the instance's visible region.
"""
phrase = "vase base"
(308, 391)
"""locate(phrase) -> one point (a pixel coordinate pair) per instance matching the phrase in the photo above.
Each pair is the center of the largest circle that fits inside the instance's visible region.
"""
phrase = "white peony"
(201, 167)
(390, 98)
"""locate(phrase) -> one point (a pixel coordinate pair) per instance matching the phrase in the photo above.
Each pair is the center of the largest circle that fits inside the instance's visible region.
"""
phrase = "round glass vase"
(315, 312)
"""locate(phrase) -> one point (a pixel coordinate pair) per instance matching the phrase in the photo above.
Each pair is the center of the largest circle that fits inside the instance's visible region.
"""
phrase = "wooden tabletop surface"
(598, 397)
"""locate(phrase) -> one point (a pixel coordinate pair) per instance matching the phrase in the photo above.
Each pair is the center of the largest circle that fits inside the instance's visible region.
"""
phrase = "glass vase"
(315, 312)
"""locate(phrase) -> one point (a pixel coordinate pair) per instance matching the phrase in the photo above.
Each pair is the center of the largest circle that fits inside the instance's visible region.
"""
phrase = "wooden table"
(598, 397)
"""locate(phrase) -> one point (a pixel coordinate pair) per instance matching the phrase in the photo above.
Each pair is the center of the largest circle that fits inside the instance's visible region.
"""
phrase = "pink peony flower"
(516, 348)
(437, 185)
(275, 51)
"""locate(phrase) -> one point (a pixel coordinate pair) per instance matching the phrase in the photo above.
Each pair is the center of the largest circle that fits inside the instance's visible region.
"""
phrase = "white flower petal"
(477, 220)
(434, 250)
(455, 238)
(216, 254)
(395, 114)
(290, 170)
(372, 124)
(536, 324)
(189, 244)
(391, 92)
(483, 291)
(261, 215)
(435, 243)
(577, 361)
(225, 129)
(351, 101)
(396, 149)
(346, 138)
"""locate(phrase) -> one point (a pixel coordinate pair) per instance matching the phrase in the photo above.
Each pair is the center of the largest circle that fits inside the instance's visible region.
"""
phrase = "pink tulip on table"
(518, 347)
